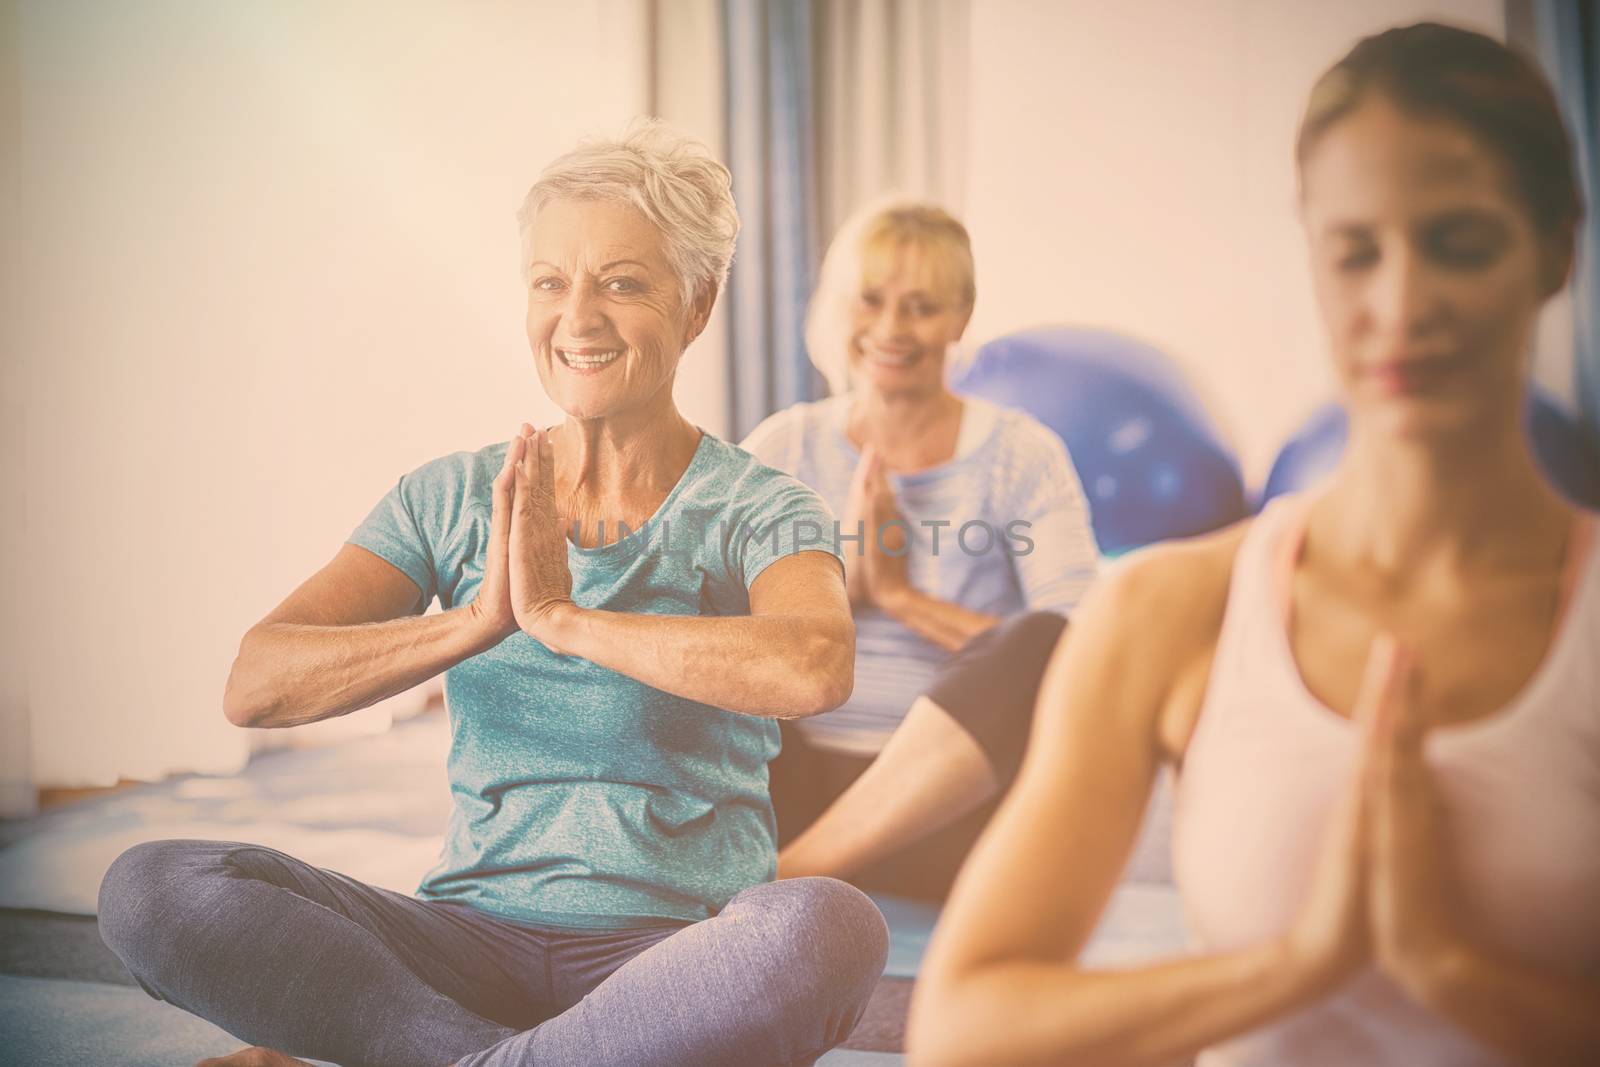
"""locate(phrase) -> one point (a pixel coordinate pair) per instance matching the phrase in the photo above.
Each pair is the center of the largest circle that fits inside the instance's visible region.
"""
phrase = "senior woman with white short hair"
(629, 606)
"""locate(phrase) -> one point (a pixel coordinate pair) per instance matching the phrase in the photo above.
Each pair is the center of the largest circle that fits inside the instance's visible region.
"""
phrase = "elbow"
(244, 701)
(963, 1014)
(238, 707)
(931, 1040)
(239, 711)
(828, 670)
(941, 1044)
(924, 1047)
(929, 1054)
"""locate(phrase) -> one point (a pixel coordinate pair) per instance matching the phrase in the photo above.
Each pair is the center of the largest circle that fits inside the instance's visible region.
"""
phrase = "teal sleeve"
(414, 524)
(782, 518)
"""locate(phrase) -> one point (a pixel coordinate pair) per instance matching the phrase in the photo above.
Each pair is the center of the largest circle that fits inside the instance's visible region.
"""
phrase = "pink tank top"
(1267, 762)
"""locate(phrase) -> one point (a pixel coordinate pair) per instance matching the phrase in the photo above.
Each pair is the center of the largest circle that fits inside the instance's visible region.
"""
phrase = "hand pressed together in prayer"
(878, 570)
(492, 606)
(1379, 888)
(1415, 932)
(539, 578)
(527, 584)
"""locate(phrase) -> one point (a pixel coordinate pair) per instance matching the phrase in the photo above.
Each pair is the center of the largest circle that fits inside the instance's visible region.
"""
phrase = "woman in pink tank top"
(1382, 700)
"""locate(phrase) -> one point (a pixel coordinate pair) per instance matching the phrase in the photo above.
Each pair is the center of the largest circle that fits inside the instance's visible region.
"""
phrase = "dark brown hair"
(1442, 71)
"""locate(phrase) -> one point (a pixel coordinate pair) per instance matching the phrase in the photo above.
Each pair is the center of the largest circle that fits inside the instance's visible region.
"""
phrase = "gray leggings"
(283, 954)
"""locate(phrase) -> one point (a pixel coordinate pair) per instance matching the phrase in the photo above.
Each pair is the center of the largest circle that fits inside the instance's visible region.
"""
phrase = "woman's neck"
(1401, 506)
(632, 455)
(908, 429)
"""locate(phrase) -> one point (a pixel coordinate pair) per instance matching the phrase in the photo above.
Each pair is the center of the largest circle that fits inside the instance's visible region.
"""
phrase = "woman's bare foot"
(255, 1056)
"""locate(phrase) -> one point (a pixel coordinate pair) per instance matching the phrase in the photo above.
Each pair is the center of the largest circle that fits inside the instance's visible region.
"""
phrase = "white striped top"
(1007, 467)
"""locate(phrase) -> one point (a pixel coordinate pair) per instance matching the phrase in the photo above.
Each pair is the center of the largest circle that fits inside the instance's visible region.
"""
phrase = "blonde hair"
(865, 246)
(673, 181)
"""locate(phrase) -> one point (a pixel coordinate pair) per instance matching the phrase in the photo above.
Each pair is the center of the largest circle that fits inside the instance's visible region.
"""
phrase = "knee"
(1001, 665)
(139, 876)
(991, 686)
(811, 952)
(1031, 636)
(142, 894)
(833, 939)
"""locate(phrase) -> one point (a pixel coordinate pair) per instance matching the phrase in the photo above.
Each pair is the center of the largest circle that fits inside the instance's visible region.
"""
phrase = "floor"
(373, 808)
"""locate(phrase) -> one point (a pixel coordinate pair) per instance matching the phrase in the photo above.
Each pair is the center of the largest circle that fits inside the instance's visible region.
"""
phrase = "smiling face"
(607, 321)
(903, 320)
(1428, 270)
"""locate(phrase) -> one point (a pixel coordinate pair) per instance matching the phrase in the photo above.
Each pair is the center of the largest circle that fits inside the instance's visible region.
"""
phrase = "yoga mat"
(373, 808)
(47, 1022)
(910, 925)
(1141, 922)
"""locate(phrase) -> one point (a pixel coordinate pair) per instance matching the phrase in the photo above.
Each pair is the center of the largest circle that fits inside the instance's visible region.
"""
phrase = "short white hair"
(674, 182)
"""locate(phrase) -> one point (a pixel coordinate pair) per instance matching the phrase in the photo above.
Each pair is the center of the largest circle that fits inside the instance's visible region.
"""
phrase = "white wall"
(1131, 167)
(260, 260)
(688, 92)
(16, 756)
(268, 264)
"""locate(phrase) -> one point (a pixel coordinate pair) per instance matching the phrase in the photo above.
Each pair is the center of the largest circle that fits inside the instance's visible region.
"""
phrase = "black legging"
(989, 687)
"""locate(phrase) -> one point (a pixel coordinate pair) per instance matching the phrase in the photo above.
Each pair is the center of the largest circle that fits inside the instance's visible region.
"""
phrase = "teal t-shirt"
(583, 798)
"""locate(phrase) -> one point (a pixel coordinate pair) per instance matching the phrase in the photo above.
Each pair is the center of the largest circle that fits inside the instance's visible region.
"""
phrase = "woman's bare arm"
(352, 634)
(1000, 986)
(945, 623)
(792, 656)
(347, 638)
(1531, 1013)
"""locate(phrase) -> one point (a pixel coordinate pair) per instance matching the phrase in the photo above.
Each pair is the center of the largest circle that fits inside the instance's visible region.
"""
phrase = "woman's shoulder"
(735, 478)
(461, 475)
(1022, 461)
(1023, 437)
(798, 425)
(1173, 594)
(428, 512)
(1149, 629)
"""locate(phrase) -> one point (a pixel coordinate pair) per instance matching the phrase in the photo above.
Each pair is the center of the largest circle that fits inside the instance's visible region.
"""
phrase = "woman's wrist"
(1305, 974)
(482, 632)
(556, 626)
(897, 601)
(1430, 976)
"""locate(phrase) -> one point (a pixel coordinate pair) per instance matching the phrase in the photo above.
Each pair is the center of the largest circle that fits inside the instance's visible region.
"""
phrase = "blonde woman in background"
(966, 539)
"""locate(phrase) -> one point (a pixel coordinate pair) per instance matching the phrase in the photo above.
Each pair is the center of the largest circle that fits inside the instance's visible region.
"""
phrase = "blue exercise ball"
(1310, 454)
(1150, 459)
(1564, 452)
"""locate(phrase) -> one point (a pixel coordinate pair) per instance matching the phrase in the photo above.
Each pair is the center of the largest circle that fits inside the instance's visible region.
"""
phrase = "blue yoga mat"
(46, 1022)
